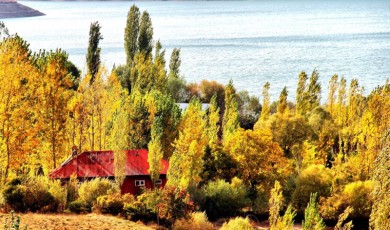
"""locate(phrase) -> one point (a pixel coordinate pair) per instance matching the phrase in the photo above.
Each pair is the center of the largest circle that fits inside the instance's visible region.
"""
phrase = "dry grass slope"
(73, 222)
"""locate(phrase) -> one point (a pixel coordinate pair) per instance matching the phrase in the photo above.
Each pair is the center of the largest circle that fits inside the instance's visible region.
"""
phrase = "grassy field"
(73, 222)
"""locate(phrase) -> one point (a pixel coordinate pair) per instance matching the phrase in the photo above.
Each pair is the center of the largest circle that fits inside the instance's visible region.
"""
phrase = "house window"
(159, 181)
(139, 183)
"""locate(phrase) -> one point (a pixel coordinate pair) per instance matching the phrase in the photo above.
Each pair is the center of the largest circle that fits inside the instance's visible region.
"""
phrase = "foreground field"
(72, 221)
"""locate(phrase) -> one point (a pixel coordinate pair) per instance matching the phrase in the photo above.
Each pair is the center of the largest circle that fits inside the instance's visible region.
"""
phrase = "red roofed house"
(93, 164)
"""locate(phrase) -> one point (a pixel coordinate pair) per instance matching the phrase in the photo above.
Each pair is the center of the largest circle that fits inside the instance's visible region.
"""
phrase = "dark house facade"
(100, 164)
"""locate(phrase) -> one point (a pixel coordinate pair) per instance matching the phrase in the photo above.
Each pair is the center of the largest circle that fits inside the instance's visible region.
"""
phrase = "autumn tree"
(333, 84)
(259, 158)
(155, 154)
(282, 104)
(230, 117)
(55, 89)
(379, 218)
(300, 94)
(265, 110)
(187, 160)
(19, 111)
(93, 54)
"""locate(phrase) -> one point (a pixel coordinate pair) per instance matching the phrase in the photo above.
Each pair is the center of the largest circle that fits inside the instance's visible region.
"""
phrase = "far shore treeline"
(242, 155)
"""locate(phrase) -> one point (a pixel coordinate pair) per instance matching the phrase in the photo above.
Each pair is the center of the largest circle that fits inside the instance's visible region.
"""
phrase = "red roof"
(101, 164)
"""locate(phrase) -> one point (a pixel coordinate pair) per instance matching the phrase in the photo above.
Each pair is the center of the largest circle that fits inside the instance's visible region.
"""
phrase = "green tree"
(93, 55)
(174, 64)
(145, 37)
(131, 33)
(313, 220)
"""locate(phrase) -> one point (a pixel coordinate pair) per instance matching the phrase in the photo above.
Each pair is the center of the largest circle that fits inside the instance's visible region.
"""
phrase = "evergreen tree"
(145, 42)
(93, 55)
(131, 34)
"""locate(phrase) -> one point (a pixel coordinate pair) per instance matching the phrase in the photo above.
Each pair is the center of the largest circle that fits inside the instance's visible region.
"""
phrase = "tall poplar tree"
(145, 37)
(266, 109)
(230, 117)
(186, 163)
(131, 34)
(282, 104)
(156, 153)
(174, 64)
(93, 55)
(333, 84)
(300, 95)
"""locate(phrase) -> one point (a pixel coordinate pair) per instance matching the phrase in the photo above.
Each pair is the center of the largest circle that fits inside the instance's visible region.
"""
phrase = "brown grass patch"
(74, 221)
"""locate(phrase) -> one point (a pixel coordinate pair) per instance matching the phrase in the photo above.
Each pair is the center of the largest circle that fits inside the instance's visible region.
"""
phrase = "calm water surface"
(250, 42)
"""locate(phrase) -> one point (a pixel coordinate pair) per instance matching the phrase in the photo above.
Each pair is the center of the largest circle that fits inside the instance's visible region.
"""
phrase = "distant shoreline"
(13, 9)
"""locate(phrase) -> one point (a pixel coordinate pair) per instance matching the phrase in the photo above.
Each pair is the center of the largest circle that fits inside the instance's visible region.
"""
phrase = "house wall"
(128, 185)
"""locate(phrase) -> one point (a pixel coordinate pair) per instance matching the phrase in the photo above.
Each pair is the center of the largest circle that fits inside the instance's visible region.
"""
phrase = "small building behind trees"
(100, 164)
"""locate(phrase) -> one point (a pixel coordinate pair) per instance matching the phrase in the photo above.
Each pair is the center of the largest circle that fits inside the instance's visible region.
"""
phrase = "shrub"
(314, 179)
(59, 194)
(174, 204)
(237, 223)
(33, 194)
(14, 195)
(77, 206)
(37, 195)
(112, 204)
(224, 199)
(89, 191)
(137, 210)
(196, 221)
(357, 195)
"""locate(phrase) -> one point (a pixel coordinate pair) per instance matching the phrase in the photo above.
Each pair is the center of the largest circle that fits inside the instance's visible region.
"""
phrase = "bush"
(89, 191)
(14, 195)
(223, 199)
(78, 206)
(110, 204)
(314, 179)
(357, 195)
(237, 223)
(174, 204)
(137, 210)
(197, 221)
(33, 194)
(37, 195)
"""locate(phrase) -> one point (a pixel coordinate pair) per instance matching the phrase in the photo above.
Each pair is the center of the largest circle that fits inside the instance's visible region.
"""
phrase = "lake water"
(250, 42)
